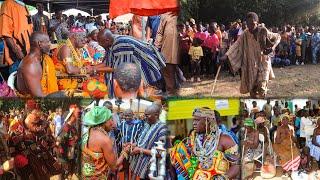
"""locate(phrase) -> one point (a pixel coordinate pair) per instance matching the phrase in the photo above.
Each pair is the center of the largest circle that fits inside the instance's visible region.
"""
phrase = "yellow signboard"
(182, 109)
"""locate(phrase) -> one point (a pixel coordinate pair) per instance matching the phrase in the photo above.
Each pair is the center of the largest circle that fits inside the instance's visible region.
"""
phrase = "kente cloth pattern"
(60, 66)
(126, 49)
(94, 165)
(139, 164)
(182, 153)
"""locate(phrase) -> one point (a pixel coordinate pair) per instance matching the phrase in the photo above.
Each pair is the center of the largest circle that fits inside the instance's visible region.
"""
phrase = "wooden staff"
(291, 146)
(215, 80)
(245, 138)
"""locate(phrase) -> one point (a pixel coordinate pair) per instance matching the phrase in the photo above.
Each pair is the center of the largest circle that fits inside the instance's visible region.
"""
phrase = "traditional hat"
(260, 120)
(203, 112)
(283, 116)
(97, 115)
(248, 122)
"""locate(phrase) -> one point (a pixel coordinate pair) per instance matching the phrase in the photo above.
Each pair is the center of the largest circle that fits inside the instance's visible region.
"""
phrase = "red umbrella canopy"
(142, 7)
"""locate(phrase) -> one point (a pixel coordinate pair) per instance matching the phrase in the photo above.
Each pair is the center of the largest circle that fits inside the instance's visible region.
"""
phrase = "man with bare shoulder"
(36, 73)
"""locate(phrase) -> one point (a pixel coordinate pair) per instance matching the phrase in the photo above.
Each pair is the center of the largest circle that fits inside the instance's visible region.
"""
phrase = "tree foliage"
(271, 12)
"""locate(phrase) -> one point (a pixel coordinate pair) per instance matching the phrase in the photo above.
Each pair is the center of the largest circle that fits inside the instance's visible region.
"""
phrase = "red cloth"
(153, 7)
(142, 7)
(118, 7)
(20, 161)
(201, 35)
(211, 42)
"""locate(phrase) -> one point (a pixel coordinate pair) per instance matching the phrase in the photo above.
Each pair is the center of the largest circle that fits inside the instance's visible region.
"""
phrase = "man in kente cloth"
(126, 49)
(154, 130)
(32, 146)
(69, 59)
(98, 157)
(251, 52)
(36, 75)
(207, 153)
(285, 146)
(130, 130)
(68, 141)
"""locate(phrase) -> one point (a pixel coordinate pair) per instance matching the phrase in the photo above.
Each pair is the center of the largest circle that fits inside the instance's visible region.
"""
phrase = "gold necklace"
(77, 60)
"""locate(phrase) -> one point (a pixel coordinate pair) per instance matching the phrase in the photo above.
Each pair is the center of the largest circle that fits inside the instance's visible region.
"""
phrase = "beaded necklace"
(204, 151)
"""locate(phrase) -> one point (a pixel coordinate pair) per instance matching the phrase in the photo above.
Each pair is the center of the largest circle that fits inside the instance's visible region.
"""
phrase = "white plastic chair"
(11, 80)
(260, 156)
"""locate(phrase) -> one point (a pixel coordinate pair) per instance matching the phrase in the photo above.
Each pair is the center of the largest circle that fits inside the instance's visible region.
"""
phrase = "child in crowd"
(196, 53)
(305, 160)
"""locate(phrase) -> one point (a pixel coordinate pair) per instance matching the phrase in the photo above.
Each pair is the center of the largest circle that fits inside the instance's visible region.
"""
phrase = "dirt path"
(292, 81)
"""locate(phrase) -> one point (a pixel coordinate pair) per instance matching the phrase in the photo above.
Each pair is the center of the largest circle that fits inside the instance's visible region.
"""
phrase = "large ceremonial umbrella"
(142, 7)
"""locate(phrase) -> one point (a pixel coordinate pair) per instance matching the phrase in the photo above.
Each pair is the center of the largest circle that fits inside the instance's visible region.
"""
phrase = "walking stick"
(215, 80)
(291, 146)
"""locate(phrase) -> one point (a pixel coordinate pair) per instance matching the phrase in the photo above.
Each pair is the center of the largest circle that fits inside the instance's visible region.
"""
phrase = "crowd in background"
(203, 43)
(88, 48)
(38, 144)
(283, 131)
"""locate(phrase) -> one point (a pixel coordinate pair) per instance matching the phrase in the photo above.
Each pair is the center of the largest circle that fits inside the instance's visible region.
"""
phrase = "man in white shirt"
(57, 121)
(267, 108)
(306, 126)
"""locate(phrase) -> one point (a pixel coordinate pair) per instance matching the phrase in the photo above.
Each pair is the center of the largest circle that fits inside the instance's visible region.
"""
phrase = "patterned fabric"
(37, 148)
(315, 150)
(94, 165)
(288, 153)
(183, 153)
(98, 52)
(68, 140)
(245, 53)
(139, 164)
(130, 131)
(127, 49)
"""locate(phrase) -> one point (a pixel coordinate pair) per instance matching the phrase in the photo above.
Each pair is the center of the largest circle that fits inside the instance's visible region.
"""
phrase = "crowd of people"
(272, 140)
(93, 142)
(247, 46)
(298, 45)
(274, 136)
(86, 56)
(205, 47)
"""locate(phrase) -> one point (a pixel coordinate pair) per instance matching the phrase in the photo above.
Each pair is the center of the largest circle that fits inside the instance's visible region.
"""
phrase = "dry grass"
(292, 81)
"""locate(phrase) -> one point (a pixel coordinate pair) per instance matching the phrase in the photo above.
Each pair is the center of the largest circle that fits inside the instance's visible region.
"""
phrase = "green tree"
(271, 12)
